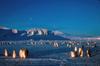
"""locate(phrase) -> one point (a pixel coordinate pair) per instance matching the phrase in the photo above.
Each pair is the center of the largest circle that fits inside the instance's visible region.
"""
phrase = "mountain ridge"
(34, 34)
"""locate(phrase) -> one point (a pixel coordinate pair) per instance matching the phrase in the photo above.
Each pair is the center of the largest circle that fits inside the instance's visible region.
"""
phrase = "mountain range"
(7, 34)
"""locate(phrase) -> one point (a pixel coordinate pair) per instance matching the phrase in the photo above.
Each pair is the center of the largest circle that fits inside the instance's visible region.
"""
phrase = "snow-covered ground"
(41, 56)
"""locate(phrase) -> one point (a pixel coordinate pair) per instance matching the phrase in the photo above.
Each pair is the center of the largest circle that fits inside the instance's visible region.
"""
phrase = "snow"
(37, 31)
(15, 31)
(57, 32)
(1, 27)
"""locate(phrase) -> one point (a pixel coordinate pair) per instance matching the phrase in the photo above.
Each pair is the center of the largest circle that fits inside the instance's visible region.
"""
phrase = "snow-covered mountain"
(34, 34)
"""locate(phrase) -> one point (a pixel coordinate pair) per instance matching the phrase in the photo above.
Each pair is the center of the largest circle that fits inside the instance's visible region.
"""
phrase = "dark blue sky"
(72, 16)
